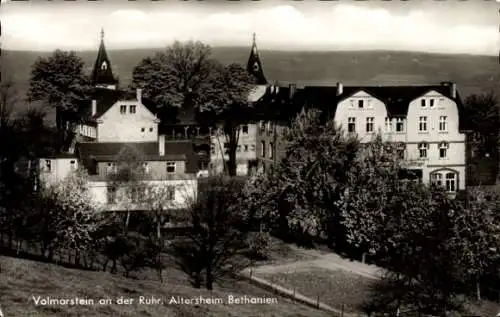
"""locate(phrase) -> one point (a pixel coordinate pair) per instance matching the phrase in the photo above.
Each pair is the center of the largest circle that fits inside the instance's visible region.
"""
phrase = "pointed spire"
(102, 74)
(254, 65)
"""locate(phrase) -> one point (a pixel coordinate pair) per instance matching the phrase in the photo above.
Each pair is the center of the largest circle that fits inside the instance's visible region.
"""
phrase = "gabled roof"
(325, 98)
(105, 99)
(149, 151)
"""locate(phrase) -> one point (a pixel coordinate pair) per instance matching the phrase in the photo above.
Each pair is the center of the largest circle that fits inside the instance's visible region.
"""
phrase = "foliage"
(59, 81)
(259, 245)
(185, 77)
(298, 197)
(217, 239)
(483, 117)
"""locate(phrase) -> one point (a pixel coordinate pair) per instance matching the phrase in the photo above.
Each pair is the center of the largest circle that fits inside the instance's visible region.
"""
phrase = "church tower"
(254, 65)
(102, 75)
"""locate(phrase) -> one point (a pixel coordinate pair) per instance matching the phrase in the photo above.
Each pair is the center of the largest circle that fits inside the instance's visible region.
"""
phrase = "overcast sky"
(450, 26)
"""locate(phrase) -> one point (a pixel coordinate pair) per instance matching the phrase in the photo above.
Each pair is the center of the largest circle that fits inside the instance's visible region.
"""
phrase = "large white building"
(427, 121)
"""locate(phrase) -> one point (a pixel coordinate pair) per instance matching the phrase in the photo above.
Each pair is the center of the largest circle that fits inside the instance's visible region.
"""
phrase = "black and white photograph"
(270, 158)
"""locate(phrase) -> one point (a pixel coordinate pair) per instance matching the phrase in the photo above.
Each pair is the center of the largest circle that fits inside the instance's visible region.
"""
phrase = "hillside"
(22, 282)
(471, 73)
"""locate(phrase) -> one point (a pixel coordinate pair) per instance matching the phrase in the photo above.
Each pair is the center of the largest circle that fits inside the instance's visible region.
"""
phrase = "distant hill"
(472, 73)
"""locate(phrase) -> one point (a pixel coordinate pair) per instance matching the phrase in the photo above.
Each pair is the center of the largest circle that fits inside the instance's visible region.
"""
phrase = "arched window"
(271, 150)
(445, 178)
(263, 148)
(104, 65)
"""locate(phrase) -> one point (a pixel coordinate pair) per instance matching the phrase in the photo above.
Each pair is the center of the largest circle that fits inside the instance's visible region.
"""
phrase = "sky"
(446, 26)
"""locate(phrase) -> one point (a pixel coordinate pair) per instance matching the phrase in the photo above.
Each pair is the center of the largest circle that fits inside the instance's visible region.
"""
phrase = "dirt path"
(329, 261)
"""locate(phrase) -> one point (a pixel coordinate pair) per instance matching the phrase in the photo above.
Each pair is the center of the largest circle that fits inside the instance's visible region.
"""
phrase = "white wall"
(114, 126)
(185, 192)
(372, 108)
(60, 169)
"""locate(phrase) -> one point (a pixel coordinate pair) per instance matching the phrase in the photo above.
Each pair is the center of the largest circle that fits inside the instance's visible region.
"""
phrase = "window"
(111, 194)
(442, 123)
(263, 149)
(422, 147)
(72, 165)
(431, 105)
(437, 179)
(422, 103)
(369, 106)
(451, 182)
(252, 147)
(170, 193)
(246, 147)
(48, 166)
(111, 168)
(262, 126)
(132, 109)
(361, 103)
(244, 129)
(351, 125)
(170, 167)
(271, 150)
(142, 129)
(369, 124)
(146, 167)
(150, 129)
(104, 65)
(422, 124)
(443, 149)
(238, 149)
(400, 124)
(123, 109)
(388, 125)
(212, 148)
(400, 150)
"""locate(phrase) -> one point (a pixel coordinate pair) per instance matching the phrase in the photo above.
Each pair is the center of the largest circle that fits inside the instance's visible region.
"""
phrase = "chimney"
(139, 94)
(161, 144)
(94, 107)
(293, 87)
(340, 88)
(452, 86)
(453, 90)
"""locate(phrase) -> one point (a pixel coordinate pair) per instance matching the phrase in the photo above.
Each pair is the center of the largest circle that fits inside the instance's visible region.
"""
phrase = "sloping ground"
(23, 281)
(341, 283)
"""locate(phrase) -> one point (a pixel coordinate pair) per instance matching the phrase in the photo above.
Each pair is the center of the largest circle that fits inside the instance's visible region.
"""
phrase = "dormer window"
(104, 65)
(361, 104)
(170, 167)
(123, 109)
(132, 109)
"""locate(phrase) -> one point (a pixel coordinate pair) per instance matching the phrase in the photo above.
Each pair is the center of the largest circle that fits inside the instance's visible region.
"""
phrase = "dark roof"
(105, 99)
(254, 66)
(174, 150)
(396, 98)
(102, 75)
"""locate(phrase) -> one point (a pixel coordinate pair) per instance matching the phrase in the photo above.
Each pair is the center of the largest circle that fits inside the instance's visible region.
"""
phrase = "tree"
(298, 197)
(372, 183)
(59, 82)
(184, 77)
(484, 118)
(217, 238)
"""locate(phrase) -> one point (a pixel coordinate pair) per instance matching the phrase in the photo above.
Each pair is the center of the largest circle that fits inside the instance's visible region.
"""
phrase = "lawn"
(21, 280)
(334, 287)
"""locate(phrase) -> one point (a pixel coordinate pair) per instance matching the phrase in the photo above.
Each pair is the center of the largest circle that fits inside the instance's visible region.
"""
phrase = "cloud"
(340, 26)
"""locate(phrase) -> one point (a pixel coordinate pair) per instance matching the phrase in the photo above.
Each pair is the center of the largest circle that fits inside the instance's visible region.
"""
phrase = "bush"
(259, 244)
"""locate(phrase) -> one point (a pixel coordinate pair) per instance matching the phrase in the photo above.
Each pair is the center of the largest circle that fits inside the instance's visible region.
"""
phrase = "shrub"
(259, 244)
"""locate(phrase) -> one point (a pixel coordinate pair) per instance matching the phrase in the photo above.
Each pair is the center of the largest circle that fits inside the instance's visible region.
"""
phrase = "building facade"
(426, 121)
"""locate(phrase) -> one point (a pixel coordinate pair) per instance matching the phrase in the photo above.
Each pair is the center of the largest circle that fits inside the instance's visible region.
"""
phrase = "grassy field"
(334, 288)
(22, 281)
(340, 287)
